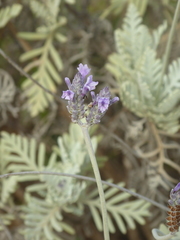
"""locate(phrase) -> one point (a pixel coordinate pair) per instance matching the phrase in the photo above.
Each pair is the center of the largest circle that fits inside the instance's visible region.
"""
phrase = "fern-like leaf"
(172, 79)
(63, 190)
(22, 154)
(8, 13)
(9, 186)
(141, 5)
(43, 219)
(139, 73)
(118, 210)
(47, 72)
(48, 10)
(158, 33)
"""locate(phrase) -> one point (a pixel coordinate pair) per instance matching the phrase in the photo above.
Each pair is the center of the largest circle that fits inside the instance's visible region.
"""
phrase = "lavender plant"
(87, 115)
(81, 113)
(48, 196)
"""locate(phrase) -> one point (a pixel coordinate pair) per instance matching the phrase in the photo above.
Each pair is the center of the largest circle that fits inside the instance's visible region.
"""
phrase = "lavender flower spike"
(86, 115)
(81, 86)
(173, 220)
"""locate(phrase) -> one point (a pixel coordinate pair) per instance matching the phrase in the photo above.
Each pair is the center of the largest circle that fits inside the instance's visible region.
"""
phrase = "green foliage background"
(123, 42)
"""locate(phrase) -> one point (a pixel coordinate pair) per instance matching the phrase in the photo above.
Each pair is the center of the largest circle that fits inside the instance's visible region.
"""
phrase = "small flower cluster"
(173, 220)
(81, 85)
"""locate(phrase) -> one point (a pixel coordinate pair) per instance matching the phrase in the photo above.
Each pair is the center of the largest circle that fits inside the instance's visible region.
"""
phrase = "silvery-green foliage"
(56, 193)
(7, 93)
(121, 211)
(6, 217)
(142, 87)
(8, 186)
(21, 154)
(42, 219)
(48, 61)
(116, 6)
(63, 190)
(73, 155)
(47, 10)
(72, 148)
(44, 214)
(8, 13)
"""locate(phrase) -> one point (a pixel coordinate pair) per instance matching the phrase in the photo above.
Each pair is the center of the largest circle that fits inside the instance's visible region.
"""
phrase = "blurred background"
(48, 39)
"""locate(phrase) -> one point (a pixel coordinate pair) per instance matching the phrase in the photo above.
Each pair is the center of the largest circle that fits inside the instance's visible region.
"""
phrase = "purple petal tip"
(83, 69)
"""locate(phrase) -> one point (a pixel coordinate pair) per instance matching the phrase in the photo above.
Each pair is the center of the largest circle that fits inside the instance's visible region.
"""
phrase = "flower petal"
(83, 69)
(68, 95)
(103, 104)
(68, 82)
(89, 85)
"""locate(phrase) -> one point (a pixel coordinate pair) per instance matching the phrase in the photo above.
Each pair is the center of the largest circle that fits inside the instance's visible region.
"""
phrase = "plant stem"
(98, 181)
(170, 39)
(85, 178)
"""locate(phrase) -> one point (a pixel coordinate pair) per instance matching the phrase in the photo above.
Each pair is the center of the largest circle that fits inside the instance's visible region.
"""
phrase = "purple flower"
(99, 105)
(105, 92)
(68, 95)
(177, 188)
(103, 104)
(89, 85)
(83, 69)
(81, 112)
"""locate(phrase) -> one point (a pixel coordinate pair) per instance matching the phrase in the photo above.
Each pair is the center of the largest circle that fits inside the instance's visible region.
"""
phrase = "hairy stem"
(98, 181)
(86, 179)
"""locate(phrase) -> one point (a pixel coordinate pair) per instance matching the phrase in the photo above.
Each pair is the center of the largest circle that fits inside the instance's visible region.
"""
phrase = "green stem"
(98, 181)
(169, 43)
